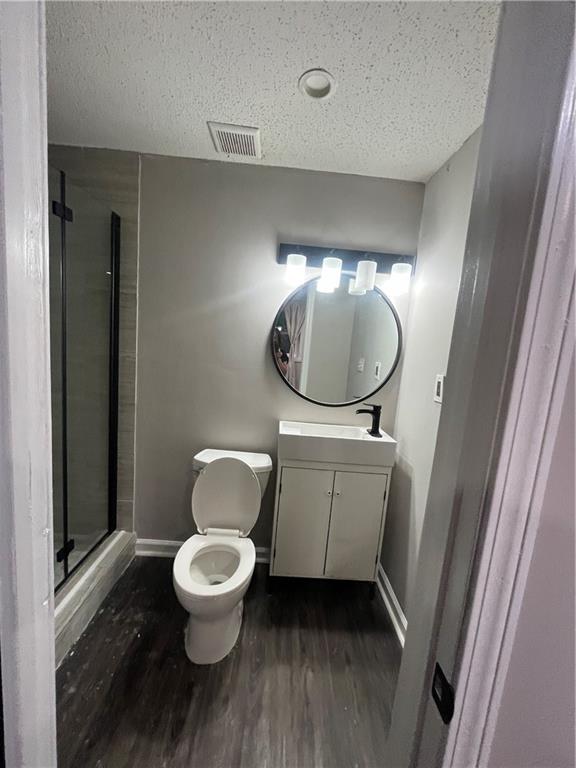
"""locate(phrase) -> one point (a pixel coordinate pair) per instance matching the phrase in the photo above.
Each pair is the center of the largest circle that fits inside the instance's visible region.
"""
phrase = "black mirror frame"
(348, 402)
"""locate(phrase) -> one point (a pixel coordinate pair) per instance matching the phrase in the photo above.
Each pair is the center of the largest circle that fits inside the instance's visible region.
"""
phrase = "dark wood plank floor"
(309, 684)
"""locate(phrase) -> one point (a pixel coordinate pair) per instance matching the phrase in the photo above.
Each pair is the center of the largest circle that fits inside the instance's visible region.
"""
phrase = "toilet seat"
(226, 496)
(225, 505)
(200, 543)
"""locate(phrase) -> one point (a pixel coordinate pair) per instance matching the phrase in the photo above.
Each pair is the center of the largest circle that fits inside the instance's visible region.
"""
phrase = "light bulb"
(331, 270)
(366, 275)
(399, 279)
(295, 273)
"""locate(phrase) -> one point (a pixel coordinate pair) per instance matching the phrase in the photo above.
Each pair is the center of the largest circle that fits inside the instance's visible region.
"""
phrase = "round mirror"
(336, 348)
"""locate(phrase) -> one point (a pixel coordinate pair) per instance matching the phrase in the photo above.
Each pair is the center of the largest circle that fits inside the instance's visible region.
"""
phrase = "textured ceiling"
(412, 79)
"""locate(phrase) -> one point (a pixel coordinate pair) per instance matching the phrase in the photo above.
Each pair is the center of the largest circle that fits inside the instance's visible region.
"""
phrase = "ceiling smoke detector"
(236, 140)
(317, 84)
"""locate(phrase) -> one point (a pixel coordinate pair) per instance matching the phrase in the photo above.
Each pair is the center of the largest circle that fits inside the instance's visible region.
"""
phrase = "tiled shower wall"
(113, 178)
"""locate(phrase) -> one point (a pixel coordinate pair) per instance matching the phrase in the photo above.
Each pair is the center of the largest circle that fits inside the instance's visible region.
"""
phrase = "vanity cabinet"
(329, 520)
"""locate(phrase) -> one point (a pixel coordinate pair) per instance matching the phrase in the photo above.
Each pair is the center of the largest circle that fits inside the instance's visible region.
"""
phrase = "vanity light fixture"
(330, 275)
(365, 265)
(399, 279)
(295, 269)
(353, 290)
(366, 275)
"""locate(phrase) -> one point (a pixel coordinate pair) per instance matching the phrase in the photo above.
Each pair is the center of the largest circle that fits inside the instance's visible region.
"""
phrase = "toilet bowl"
(212, 569)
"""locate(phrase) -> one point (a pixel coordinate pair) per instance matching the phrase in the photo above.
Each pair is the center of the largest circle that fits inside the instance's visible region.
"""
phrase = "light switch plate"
(377, 369)
(439, 388)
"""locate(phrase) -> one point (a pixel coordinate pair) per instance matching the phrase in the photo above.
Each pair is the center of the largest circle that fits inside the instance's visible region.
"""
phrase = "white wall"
(434, 294)
(209, 289)
(535, 722)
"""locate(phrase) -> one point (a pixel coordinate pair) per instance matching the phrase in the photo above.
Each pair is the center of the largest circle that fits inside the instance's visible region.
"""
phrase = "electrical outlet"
(439, 388)
(360, 365)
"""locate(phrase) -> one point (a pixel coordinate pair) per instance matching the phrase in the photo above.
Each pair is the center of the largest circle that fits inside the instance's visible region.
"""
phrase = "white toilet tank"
(260, 463)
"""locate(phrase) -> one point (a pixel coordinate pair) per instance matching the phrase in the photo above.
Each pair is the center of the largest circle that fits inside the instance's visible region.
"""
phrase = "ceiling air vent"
(236, 140)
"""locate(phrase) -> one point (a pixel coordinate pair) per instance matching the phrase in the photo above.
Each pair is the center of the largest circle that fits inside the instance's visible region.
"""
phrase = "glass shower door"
(84, 271)
(56, 338)
(88, 333)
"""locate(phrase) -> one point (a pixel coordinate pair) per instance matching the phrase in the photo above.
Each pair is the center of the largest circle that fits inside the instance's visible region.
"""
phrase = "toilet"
(212, 569)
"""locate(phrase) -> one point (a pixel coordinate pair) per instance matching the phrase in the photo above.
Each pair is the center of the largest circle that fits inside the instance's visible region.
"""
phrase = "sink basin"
(335, 443)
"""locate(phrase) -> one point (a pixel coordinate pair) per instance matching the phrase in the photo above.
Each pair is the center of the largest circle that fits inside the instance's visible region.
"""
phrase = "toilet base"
(209, 641)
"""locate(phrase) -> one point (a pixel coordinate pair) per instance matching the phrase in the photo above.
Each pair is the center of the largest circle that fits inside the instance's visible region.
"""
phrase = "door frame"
(515, 294)
(26, 558)
(545, 359)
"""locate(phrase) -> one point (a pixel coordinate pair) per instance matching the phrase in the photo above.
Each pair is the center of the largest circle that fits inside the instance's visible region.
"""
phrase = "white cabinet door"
(357, 510)
(303, 520)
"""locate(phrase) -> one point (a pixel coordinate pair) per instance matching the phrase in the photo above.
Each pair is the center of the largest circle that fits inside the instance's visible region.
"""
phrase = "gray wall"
(209, 289)
(434, 293)
(113, 178)
(535, 722)
(374, 339)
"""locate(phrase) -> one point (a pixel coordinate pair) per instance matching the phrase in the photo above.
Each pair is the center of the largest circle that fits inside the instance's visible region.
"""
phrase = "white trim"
(167, 548)
(392, 605)
(545, 355)
(82, 595)
(26, 554)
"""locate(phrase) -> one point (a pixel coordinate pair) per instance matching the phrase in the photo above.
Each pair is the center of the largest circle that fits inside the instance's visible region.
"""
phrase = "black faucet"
(374, 411)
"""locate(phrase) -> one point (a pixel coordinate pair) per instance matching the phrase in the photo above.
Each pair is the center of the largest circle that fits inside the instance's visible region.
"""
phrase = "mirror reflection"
(336, 348)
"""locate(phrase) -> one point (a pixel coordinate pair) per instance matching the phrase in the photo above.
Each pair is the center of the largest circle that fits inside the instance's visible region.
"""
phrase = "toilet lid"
(226, 495)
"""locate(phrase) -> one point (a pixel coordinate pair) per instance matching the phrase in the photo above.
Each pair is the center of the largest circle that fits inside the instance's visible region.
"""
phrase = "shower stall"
(84, 240)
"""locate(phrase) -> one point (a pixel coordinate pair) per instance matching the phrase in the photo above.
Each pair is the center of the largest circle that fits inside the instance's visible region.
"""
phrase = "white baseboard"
(167, 548)
(393, 607)
(79, 599)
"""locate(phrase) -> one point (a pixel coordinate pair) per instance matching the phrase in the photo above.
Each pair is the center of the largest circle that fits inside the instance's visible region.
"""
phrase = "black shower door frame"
(66, 216)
